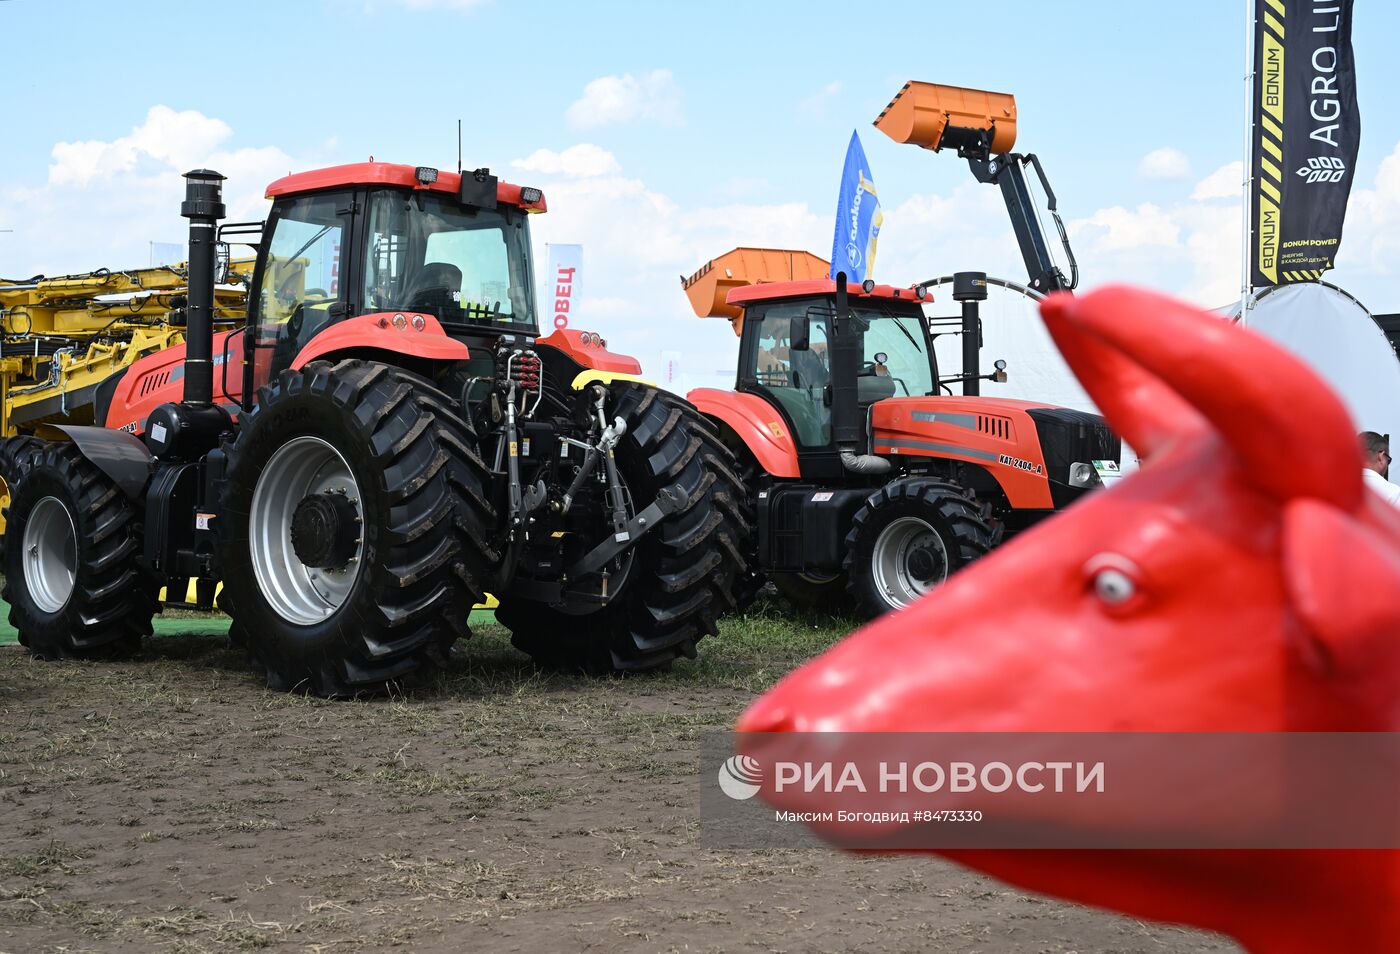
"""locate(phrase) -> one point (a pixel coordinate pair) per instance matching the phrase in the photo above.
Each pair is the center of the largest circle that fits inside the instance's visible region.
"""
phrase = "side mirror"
(221, 263)
(800, 334)
(999, 375)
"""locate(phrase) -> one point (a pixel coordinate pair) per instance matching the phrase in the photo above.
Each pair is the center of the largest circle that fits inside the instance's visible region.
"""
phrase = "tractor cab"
(786, 354)
(407, 243)
(870, 476)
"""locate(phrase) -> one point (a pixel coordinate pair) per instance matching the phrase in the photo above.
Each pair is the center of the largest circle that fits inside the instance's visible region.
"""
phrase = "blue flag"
(858, 218)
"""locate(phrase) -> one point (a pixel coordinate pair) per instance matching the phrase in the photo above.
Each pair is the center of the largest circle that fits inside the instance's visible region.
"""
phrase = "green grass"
(181, 622)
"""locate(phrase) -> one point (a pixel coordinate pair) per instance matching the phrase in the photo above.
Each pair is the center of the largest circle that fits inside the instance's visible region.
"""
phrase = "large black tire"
(749, 583)
(112, 599)
(16, 454)
(941, 533)
(821, 594)
(424, 532)
(684, 571)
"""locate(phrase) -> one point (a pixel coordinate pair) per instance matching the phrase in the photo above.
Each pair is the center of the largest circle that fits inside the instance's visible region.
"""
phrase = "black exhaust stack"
(847, 354)
(971, 288)
(191, 428)
(844, 352)
(204, 207)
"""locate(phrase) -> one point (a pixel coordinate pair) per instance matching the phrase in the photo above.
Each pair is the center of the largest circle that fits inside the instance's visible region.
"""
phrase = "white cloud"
(166, 137)
(104, 201)
(580, 161)
(1186, 248)
(1164, 163)
(1116, 229)
(627, 98)
(1371, 240)
(1224, 183)
(637, 241)
(1189, 249)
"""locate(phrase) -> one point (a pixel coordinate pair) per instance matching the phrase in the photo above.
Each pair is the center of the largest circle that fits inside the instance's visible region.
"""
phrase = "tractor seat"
(437, 288)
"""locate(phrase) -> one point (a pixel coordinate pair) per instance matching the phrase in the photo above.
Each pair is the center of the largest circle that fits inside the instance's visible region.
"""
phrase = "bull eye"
(1114, 586)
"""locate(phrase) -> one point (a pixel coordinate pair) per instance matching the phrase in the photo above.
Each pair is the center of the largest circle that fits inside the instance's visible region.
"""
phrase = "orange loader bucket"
(709, 287)
(922, 114)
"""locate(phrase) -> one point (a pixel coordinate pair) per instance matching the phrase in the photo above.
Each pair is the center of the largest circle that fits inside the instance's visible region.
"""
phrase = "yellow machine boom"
(61, 337)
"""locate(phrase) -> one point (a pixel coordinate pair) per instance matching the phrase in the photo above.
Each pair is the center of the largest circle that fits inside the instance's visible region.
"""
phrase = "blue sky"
(664, 134)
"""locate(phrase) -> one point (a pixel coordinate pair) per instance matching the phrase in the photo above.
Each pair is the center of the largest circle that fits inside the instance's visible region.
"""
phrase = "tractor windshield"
(797, 379)
(901, 338)
(428, 253)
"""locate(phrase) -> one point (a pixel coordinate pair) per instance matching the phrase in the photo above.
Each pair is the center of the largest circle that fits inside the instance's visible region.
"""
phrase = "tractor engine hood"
(1028, 447)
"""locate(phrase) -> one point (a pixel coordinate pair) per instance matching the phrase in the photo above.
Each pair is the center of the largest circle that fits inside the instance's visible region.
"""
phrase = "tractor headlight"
(1082, 475)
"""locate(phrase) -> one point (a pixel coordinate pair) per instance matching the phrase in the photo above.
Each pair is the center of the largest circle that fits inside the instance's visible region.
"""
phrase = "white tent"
(1336, 335)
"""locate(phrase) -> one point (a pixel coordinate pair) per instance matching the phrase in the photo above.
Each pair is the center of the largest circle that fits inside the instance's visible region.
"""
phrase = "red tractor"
(388, 440)
(864, 475)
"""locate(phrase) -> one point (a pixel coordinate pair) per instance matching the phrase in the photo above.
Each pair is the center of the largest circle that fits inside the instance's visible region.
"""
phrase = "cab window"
(796, 379)
(906, 371)
(428, 253)
(300, 279)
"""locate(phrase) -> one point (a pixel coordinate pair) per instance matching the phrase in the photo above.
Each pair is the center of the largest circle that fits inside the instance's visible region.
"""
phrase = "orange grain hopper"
(708, 289)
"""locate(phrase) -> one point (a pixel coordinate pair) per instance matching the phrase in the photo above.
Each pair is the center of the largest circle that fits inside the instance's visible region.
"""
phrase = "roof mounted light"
(868, 285)
(425, 174)
(530, 195)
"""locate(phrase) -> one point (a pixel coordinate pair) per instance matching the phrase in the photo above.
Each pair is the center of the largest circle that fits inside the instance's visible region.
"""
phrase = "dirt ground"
(171, 804)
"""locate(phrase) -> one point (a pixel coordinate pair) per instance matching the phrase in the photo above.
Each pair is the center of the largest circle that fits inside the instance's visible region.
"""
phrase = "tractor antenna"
(459, 147)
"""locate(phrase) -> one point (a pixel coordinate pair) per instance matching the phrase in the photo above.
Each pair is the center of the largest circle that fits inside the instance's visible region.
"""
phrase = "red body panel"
(756, 423)
(388, 174)
(1234, 584)
(596, 357)
(160, 377)
(978, 430)
(377, 331)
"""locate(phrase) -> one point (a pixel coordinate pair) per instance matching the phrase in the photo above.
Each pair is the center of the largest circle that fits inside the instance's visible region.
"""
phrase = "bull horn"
(1146, 413)
(1289, 430)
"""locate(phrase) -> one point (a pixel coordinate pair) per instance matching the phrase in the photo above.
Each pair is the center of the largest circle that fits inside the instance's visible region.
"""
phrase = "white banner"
(562, 285)
(670, 367)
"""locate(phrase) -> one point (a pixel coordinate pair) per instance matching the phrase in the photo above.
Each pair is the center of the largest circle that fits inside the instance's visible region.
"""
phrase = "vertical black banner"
(1306, 132)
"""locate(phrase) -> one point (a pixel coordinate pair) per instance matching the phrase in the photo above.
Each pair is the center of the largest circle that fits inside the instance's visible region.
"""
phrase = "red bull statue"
(1243, 580)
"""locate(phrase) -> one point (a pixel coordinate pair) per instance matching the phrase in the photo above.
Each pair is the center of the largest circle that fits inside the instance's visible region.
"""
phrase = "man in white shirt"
(1375, 465)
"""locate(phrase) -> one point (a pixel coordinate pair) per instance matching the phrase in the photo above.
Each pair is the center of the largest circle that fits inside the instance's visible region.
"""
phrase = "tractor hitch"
(667, 502)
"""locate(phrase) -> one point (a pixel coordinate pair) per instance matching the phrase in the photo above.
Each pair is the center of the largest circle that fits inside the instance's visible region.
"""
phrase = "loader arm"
(981, 126)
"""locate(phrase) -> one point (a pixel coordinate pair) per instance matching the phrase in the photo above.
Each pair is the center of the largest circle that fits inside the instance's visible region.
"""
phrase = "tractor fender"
(589, 351)
(755, 423)
(378, 332)
(121, 456)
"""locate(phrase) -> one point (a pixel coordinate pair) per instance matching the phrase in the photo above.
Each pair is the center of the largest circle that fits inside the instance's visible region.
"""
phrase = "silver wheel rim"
(908, 539)
(50, 555)
(299, 593)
